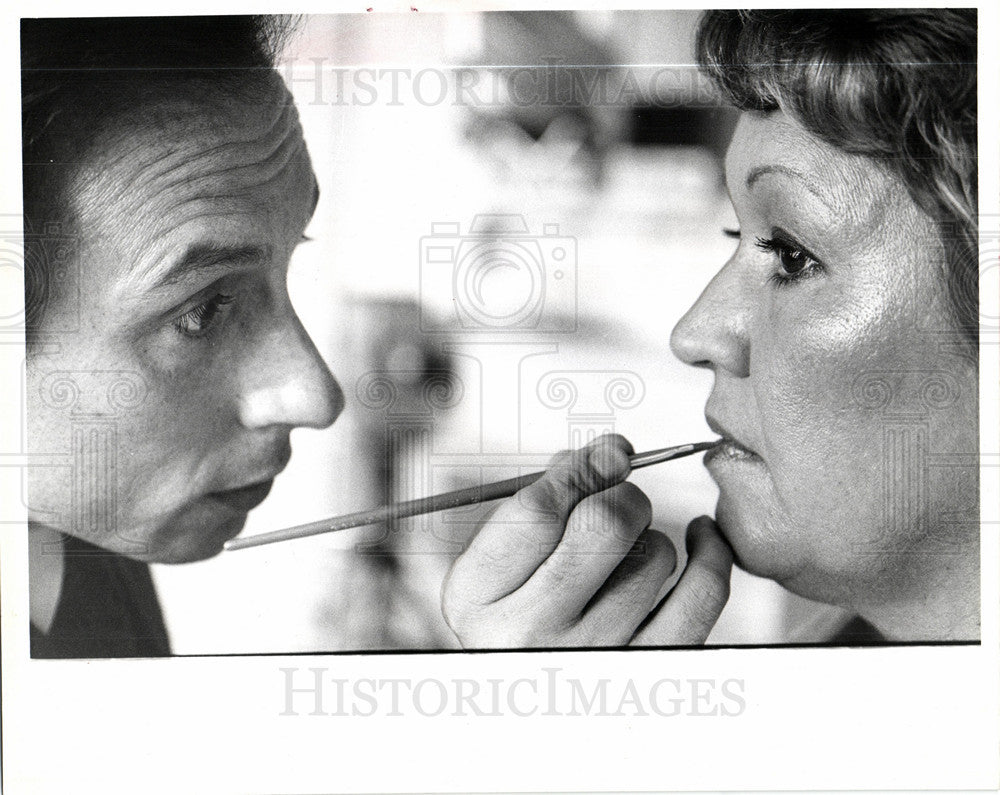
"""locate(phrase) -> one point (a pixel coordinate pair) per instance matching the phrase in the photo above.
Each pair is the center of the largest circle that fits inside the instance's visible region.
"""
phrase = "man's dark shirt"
(107, 608)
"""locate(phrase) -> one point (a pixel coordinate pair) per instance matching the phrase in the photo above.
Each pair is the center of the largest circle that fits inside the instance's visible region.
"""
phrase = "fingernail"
(698, 526)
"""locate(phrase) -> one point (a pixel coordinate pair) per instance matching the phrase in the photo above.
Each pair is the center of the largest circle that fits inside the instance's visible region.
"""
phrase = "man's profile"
(166, 363)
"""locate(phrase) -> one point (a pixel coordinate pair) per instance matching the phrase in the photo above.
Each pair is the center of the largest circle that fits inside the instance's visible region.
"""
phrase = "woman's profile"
(842, 337)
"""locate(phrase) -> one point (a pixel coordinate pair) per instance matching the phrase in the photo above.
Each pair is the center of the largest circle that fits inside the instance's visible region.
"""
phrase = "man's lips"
(244, 499)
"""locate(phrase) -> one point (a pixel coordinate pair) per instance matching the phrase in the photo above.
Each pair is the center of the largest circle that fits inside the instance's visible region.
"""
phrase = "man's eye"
(198, 322)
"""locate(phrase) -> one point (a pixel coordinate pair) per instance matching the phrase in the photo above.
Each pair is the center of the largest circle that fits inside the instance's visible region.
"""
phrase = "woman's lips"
(245, 499)
(730, 450)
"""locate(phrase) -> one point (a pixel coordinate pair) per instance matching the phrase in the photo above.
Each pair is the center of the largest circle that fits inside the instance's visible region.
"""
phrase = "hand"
(570, 561)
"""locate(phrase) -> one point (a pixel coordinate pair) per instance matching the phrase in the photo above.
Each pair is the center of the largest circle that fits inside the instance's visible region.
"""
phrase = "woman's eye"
(199, 321)
(794, 262)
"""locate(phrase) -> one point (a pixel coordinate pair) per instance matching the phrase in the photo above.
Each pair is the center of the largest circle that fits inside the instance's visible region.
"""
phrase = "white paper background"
(814, 718)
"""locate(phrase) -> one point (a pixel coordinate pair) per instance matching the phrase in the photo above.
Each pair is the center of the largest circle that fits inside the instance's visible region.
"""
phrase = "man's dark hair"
(79, 75)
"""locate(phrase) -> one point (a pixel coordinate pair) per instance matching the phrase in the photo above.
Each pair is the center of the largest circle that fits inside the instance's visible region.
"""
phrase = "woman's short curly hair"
(895, 85)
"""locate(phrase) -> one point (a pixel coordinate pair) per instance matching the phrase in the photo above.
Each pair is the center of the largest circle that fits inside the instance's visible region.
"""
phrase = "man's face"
(167, 410)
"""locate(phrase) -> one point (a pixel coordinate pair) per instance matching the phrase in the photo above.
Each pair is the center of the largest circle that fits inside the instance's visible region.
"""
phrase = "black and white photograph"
(385, 378)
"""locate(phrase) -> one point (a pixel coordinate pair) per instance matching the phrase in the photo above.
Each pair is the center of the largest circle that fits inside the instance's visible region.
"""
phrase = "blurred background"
(516, 208)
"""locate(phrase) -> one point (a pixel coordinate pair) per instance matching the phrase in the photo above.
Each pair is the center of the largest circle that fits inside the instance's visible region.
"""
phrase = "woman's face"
(848, 399)
(170, 366)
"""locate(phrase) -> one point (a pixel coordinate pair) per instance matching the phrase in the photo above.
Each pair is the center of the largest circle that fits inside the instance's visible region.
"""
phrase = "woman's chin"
(761, 548)
(757, 548)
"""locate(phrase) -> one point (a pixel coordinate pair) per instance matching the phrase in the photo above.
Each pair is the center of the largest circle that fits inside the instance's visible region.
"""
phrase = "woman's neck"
(45, 567)
(941, 604)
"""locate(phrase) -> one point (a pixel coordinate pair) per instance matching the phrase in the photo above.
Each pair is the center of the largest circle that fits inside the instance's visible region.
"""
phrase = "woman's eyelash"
(795, 262)
(200, 321)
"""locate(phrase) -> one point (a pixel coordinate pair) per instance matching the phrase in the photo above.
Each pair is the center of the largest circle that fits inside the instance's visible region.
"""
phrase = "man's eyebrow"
(775, 168)
(206, 256)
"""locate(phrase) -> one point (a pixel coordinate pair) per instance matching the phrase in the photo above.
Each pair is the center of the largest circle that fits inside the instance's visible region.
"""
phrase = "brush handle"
(441, 502)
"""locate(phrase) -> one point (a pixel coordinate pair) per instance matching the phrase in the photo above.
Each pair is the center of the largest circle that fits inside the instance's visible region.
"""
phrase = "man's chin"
(190, 540)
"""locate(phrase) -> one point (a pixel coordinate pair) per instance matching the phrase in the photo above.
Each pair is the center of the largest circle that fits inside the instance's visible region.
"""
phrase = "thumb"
(524, 529)
(687, 614)
(574, 475)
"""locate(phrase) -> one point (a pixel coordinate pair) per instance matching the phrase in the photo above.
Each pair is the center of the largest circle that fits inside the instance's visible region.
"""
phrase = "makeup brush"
(442, 502)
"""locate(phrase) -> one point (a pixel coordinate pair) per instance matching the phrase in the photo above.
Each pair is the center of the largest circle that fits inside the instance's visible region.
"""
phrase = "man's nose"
(714, 333)
(288, 383)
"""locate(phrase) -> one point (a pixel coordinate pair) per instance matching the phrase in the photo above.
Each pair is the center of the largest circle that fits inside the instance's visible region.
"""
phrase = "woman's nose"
(289, 383)
(714, 332)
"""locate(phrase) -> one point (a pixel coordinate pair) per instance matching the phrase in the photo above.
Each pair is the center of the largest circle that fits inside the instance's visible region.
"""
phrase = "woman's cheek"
(804, 362)
(815, 432)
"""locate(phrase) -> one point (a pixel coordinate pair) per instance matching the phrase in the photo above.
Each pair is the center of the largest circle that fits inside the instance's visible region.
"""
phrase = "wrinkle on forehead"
(229, 171)
(179, 153)
(208, 159)
(159, 169)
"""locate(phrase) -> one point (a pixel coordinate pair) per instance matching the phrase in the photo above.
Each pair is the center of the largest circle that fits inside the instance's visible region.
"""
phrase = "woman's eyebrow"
(201, 257)
(775, 168)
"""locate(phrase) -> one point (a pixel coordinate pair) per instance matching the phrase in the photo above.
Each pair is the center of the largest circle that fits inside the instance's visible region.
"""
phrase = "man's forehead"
(208, 154)
(177, 142)
(200, 115)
